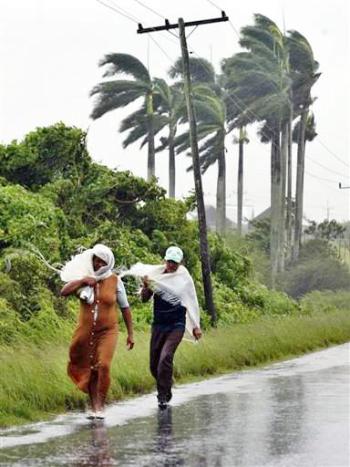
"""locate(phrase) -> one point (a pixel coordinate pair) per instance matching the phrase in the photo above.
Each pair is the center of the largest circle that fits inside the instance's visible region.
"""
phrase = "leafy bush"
(231, 268)
(30, 218)
(317, 269)
(45, 154)
(326, 301)
(9, 323)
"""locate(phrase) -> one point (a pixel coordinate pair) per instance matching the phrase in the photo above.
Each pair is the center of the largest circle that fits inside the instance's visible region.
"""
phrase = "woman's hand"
(91, 281)
(130, 342)
(197, 333)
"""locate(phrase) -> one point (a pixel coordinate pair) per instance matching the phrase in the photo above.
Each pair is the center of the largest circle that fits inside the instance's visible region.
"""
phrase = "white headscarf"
(81, 265)
(174, 287)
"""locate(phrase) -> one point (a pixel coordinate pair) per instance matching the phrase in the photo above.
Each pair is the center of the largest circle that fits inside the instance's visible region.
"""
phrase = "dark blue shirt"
(167, 316)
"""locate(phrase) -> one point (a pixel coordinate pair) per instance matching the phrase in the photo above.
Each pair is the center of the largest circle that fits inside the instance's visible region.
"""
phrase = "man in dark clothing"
(168, 327)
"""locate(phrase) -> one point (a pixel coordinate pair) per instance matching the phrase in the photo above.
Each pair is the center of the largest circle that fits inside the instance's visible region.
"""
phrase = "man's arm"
(146, 291)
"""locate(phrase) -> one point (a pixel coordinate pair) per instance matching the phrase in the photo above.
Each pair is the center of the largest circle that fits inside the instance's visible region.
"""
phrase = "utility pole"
(203, 237)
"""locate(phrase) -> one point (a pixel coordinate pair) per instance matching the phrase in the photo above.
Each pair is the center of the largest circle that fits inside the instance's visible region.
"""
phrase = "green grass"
(34, 384)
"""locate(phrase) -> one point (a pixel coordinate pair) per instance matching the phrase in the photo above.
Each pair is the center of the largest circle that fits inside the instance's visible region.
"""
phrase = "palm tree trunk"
(299, 194)
(240, 182)
(275, 205)
(171, 161)
(282, 221)
(289, 185)
(221, 194)
(151, 150)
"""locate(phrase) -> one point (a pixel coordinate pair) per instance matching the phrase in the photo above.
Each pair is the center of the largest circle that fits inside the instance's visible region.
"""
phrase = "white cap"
(174, 253)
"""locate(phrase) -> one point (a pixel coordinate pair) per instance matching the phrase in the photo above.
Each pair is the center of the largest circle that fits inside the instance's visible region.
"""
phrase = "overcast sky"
(49, 52)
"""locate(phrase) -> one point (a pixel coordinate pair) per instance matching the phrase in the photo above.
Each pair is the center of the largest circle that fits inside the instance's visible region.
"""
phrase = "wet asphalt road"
(295, 413)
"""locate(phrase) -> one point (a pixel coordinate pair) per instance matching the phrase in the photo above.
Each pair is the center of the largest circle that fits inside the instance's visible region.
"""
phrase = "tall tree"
(211, 132)
(171, 107)
(210, 110)
(168, 106)
(304, 75)
(260, 81)
(119, 93)
(241, 140)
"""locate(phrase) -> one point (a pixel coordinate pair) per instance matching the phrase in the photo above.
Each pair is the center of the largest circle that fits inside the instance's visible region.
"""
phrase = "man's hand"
(197, 333)
(146, 281)
(130, 341)
(91, 281)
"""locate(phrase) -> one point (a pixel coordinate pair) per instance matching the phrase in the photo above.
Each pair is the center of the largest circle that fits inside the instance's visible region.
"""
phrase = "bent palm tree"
(260, 79)
(119, 93)
(304, 73)
(210, 110)
(241, 140)
(169, 106)
(211, 132)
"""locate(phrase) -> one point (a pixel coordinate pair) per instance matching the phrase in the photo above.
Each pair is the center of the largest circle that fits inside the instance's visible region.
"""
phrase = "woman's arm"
(126, 312)
(127, 317)
(73, 286)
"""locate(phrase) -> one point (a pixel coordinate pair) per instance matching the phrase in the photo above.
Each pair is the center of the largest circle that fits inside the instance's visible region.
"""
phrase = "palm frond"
(125, 64)
(107, 103)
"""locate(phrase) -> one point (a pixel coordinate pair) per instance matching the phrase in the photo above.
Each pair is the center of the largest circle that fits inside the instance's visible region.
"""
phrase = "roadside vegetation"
(34, 385)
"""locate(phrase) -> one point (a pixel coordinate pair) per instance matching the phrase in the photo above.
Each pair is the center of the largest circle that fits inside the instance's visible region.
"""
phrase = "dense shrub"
(67, 202)
(326, 301)
(26, 217)
(317, 269)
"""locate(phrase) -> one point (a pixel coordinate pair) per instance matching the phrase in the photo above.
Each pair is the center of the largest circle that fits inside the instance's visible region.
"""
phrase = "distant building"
(210, 215)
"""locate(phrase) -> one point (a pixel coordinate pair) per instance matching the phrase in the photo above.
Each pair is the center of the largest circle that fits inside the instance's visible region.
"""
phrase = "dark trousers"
(163, 347)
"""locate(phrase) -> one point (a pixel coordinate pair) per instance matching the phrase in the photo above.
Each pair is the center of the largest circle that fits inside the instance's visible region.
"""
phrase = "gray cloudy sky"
(49, 51)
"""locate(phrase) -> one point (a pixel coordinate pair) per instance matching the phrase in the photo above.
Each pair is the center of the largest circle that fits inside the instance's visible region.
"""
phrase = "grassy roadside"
(34, 385)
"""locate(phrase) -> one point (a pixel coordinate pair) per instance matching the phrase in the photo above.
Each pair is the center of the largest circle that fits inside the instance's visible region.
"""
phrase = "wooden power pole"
(203, 237)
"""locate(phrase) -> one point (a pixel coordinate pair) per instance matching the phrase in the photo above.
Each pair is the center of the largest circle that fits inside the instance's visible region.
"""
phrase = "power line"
(324, 167)
(116, 10)
(149, 9)
(123, 12)
(156, 13)
(321, 178)
(332, 153)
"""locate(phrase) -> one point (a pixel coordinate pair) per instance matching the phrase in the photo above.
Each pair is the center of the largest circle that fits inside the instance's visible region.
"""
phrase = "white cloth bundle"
(81, 266)
(174, 287)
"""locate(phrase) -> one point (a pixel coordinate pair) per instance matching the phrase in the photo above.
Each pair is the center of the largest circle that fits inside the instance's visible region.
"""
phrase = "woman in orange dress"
(95, 338)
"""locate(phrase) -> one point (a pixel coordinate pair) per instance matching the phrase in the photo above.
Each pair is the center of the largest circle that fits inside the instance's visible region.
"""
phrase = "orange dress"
(95, 338)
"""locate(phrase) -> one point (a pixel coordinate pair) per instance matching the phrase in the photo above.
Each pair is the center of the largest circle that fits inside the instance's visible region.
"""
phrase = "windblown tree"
(241, 140)
(118, 93)
(210, 110)
(304, 75)
(211, 133)
(259, 79)
(168, 106)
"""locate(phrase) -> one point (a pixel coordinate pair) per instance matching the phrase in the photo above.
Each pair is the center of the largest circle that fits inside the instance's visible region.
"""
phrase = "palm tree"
(171, 106)
(119, 93)
(304, 73)
(211, 127)
(259, 79)
(241, 140)
(211, 132)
